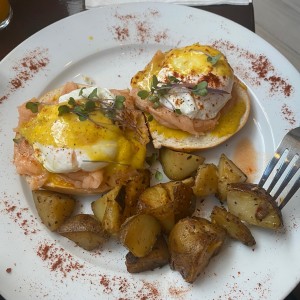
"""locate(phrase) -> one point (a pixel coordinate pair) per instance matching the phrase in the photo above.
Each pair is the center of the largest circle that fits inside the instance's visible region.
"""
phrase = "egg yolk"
(187, 61)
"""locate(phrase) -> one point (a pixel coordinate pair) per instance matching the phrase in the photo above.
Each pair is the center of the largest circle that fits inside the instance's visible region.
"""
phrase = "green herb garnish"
(200, 89)
(92, 103)
(213, 59)
(119, 102)
(17, 140)
(159, 89)
(33, 106)
(81, 91)
(150, 160)
(150, 118)
(158, 175)
(63, 109)
(93, 94)
(143, 94)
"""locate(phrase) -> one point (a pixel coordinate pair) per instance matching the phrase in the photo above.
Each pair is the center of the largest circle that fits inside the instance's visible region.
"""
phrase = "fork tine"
(271, 165)
(291, 193)
(291, 144)
(289, 176)
(281, 170)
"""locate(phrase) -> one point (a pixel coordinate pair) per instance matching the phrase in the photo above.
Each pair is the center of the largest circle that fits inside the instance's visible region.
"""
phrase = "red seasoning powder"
(142, 30)
(21, 216)
(25, 69)
(28, 66)
(260, 69)
(58, 259)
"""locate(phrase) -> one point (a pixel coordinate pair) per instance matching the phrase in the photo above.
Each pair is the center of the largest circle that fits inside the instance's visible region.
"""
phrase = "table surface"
(40, 14)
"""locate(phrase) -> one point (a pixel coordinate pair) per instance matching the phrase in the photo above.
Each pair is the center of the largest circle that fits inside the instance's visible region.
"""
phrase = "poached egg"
(64, 144)
(190, 65)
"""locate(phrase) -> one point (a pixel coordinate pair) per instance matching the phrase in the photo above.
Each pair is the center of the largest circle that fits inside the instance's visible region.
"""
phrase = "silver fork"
(289, 150)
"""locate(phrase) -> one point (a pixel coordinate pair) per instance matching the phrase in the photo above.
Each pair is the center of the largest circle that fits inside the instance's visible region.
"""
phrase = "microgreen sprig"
(33, 106)
(213, 59)
(159, 89)
(84, 110)
(158, 175)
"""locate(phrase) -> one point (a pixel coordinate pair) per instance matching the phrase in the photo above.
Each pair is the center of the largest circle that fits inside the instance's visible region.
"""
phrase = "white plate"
(109, 45)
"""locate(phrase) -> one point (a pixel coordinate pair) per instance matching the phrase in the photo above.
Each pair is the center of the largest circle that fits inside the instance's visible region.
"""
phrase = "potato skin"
(108, 210)
(157, 258)
(133, 189)
(85, 230)
(53, 208)
(254, 205)
(192, 243)
(182, 198)
(167, 202)
(233, 225)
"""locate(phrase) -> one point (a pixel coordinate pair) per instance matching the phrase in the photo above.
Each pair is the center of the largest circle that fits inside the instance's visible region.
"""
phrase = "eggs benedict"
(191, 97)
(80, 139)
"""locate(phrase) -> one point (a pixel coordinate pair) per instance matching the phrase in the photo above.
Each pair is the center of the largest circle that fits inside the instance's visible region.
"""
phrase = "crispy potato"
(179, 165)
(156, 201)
(133, 189)
(99, 205)
(112, 218)
(85, 230)
(153, 197)
(167, 202)
(108, 210)
(139, 234)
(228, 172)
(182, 198)
(254, 205)
(192, 243)
(206, 181)
(158, 257)
(53, 208)
(190, 181)
(233, 225)
(165, 215)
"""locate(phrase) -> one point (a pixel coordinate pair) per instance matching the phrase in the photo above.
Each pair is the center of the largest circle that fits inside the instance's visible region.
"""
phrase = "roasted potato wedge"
(165, 215)
(99, 205)
(139, 234)
(53, 208)
(158, 257)
(153, 197)
(108, 210)
(112, 218)
(228, 172)
(133, 189)
(192, 243)
(182, 199)
(233, 225)
(206, 181)
(254, 205)
(85, 230)
(156, 202)
(179, 165)
(167, 202)
(190, 181)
